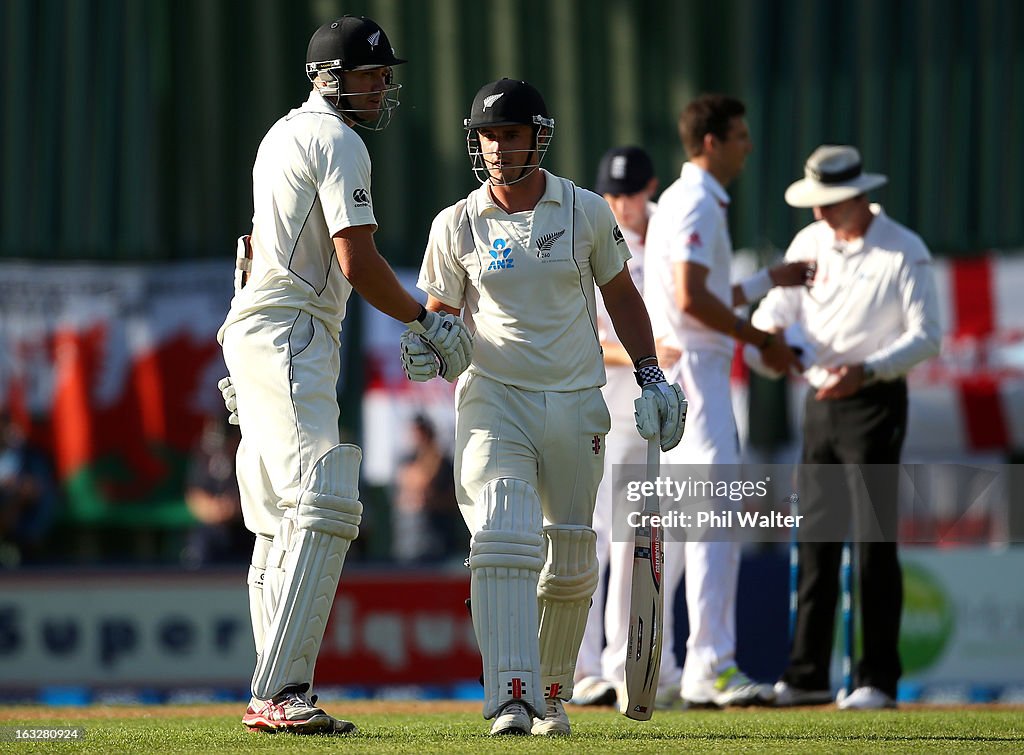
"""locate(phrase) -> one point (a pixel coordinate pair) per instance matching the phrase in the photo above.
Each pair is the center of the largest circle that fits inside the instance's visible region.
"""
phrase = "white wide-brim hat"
(832, 174)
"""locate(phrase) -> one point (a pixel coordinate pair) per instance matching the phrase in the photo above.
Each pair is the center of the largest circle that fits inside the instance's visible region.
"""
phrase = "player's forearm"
(704, 306)
(378, 285)
(374, 280)
(633, 327)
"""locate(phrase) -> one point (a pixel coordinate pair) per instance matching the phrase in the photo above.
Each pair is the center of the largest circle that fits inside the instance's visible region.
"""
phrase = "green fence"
(130, 125)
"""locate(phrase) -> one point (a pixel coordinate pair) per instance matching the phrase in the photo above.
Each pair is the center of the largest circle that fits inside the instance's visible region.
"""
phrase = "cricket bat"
(643, 645)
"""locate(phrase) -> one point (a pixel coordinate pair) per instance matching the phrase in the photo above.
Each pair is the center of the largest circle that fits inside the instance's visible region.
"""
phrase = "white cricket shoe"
(787, 695)
(667, 697)
(513, 719)
(593, 690)
(291, 711)
(555, 722)
(866, 698)
(731, 687)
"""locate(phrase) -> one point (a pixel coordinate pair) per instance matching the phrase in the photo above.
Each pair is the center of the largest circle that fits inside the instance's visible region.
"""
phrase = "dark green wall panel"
(129, 126)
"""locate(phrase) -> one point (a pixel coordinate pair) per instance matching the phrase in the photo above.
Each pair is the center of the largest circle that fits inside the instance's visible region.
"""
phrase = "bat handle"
(653, 456)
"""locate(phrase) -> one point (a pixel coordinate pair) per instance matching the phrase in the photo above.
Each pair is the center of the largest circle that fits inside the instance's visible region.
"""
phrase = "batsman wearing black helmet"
(311, 244)
(521, 256)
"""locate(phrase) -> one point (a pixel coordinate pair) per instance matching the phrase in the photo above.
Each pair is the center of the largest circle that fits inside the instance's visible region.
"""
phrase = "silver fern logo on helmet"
(488, 101)
(374, 39)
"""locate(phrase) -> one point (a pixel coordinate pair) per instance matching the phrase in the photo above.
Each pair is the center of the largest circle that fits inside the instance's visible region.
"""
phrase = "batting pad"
(257, 573)
(505, 557)
(326, 521)
(566, 585)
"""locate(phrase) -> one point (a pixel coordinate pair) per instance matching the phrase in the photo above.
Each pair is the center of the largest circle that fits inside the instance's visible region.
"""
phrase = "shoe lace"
(732, 678)
(514, 709)
(298, 695)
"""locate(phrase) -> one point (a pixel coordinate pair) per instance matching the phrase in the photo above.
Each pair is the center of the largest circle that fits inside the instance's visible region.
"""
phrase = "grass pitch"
(445, 727)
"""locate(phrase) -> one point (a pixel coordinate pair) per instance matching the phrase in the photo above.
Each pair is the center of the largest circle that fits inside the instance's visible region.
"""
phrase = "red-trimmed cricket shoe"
(292, 711)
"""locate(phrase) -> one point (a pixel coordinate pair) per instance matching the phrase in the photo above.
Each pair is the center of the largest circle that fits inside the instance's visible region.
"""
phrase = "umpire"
(871, 315)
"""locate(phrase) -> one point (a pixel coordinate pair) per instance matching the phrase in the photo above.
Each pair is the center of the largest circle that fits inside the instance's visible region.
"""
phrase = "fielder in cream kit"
(521, 256)
(626, 180)
(690, 295)
(311, 244)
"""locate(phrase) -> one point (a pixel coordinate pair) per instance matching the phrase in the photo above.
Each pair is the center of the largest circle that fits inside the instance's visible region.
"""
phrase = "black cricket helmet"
(508, 102)
(352, 43)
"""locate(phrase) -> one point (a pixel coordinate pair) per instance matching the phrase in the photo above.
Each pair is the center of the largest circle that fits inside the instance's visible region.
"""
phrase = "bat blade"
(643, 645)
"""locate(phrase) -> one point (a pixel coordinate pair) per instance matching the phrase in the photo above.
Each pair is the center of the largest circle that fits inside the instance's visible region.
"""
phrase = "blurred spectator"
(211, 493)
(426, 524)
(28, 494)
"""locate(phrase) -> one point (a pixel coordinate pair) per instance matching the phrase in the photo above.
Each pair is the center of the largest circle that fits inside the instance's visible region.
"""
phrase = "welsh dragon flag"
(113, 369)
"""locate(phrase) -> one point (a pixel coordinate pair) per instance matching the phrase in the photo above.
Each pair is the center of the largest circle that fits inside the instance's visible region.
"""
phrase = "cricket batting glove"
(418, 359)
(227, 391)
(448, 337)
(660, 406)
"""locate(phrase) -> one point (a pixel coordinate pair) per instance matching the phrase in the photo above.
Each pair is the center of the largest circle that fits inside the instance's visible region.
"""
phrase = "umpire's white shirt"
(690, 225)
(311, 179)
(526, 281)
(873, 299)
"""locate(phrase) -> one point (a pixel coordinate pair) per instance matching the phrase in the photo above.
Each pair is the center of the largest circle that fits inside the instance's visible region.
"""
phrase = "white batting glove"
(418, 359)
(449, 339)
(660, 407)
(227, 392)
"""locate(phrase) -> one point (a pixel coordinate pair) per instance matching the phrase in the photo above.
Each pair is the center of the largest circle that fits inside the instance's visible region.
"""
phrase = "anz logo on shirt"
(501, 256)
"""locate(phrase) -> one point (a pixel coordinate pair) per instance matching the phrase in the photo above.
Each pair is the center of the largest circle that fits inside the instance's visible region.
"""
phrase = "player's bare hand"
(843, 381)
(778, 356)
(418, 360)
(227, 392)
(661, 408)
(448, 337)
(792, 273)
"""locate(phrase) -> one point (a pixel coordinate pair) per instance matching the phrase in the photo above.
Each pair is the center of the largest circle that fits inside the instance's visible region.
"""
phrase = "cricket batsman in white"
(311, 244)
(521, 256)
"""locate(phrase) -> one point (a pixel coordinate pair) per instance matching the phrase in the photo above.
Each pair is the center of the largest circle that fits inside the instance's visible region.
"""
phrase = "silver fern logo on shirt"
(501, 256)
(545, 242)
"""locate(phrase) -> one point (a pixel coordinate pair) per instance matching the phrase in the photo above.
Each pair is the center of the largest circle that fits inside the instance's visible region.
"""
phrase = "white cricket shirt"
(311, 179)
(690, 225)
(526, 283)
(873, 300)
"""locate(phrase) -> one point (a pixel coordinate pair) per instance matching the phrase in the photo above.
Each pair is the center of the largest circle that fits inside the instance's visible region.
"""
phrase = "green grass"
(158, 730)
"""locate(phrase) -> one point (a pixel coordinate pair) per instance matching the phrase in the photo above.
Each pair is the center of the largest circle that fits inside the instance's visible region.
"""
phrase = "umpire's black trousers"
(864, 429)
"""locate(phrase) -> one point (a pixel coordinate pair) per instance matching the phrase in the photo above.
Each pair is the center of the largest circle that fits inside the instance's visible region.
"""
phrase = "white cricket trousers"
(284, 365)
(711, 568)
(553, 440)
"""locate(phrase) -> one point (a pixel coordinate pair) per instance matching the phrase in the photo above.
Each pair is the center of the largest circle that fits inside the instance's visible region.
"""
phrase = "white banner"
(144, 630)
(963, 616)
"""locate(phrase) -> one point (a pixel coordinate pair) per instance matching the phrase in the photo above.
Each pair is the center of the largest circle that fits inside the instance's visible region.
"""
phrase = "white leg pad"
(566, 585)
(273, 576)
(316, 534)
(505, 558)
(257, 574)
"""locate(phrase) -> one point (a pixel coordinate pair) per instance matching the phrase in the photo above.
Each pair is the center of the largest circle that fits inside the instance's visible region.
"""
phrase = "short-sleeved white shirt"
(526, 283)
(690, 225)
(311, 179)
